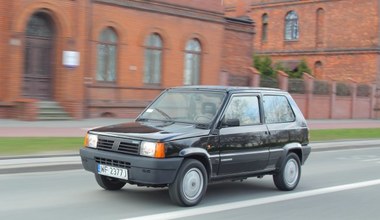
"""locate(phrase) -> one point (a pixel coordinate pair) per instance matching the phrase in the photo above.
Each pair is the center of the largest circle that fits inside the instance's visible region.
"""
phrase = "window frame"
(292, 26)
(105, 76)
(290, 107)
(264, 27)
(194, 80)
(150, 50)
(259, 102)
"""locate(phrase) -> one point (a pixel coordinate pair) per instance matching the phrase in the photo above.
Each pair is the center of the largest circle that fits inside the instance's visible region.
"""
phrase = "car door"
(242, 136)
(282, 125)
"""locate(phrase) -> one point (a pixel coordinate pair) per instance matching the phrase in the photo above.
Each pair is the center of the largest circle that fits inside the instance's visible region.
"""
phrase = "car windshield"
(196, 107)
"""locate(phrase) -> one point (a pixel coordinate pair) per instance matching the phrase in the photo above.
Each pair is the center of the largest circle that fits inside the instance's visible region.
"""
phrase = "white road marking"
(371, 160)
(254, 202)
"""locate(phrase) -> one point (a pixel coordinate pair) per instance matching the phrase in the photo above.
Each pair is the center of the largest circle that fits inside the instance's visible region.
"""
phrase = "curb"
(345, 144)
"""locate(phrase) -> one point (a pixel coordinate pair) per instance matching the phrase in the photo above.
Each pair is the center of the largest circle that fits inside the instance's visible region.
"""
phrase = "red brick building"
(111, 57)
(339, 39)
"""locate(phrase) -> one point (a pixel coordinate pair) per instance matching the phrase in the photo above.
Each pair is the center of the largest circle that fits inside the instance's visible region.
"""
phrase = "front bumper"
(141, 170)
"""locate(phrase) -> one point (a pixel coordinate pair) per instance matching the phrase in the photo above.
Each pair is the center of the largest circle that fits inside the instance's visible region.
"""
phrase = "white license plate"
(113, 171)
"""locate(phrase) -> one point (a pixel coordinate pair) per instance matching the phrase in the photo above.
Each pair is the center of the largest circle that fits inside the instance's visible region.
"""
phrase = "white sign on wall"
(71, 58)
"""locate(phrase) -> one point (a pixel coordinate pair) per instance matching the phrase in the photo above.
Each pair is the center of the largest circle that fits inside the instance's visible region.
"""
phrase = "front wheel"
(290, 173)
(190, 184)
(109, 183)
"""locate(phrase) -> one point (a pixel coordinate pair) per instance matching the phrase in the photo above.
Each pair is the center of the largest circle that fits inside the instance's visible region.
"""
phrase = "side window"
(277, 109)
(244, 108)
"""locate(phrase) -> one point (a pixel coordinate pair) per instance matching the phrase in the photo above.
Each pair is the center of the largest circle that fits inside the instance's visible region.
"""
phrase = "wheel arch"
(199, 154)
(290, 148)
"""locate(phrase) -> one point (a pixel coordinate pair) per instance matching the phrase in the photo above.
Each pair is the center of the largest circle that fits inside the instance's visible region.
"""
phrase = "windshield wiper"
(164, 114)
(142, 119)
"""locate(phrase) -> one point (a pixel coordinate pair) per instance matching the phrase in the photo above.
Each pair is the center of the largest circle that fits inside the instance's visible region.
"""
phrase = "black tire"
(190, 185)
(289, 174)
(109, 183)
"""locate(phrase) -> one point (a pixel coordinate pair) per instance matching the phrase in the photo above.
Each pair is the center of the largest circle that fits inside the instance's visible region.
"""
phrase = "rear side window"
(277, 109)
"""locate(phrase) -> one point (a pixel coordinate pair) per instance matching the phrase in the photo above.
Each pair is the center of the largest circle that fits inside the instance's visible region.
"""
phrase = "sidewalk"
(14, 128)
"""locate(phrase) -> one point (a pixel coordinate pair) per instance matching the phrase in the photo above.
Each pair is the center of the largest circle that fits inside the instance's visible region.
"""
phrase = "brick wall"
(237, 46)
(360, 67)
(332, 103)
(210, 5)
(345, 40)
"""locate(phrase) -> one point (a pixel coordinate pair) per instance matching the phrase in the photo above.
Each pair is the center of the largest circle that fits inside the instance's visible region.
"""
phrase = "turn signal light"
(160, 150)
(85, 142)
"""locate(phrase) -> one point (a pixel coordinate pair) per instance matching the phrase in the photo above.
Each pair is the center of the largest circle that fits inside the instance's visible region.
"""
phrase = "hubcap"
(291, 172)
(192, 184)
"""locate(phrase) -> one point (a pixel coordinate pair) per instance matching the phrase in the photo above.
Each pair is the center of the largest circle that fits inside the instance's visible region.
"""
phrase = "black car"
(191, 136)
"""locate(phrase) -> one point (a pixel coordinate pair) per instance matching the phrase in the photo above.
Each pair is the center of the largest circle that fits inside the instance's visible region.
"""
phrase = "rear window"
(277, 109)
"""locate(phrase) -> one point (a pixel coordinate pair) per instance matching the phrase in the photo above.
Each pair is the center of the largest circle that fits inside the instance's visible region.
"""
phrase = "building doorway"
(38, 60)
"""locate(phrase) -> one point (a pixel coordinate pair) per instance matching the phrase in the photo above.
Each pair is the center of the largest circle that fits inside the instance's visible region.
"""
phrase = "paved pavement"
(14, 128)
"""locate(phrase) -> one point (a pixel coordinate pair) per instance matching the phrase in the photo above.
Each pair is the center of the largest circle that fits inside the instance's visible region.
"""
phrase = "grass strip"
(345, 134)
(34, 145)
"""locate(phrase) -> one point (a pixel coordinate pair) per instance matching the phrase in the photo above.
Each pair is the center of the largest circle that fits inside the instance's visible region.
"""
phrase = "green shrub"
(266, 67)
(301, 68)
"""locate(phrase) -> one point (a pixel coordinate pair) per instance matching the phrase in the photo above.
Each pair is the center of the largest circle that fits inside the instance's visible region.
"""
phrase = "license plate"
(113, 171)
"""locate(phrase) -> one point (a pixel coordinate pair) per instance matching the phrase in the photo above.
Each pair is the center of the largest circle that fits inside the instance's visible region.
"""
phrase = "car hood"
(159, 131)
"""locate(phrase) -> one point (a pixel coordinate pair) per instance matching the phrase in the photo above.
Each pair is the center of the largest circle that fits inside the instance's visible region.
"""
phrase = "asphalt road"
(341, 184)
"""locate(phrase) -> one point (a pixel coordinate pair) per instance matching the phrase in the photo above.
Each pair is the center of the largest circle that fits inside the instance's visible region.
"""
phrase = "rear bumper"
(141, 170)
(305, 153)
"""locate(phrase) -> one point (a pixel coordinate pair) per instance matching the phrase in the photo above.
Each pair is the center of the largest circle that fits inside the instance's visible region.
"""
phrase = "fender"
(286, 149)
(198, 152)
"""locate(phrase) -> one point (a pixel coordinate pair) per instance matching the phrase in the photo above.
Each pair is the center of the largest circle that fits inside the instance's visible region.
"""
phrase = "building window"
(318, 70)
(291, 26)
(264, 28)
(193, 52)
(320, 26)
(106, 56)
(153, 58)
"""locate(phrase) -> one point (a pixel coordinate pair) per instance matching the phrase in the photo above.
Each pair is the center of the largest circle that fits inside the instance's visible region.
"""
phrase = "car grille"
(128, 148)
(121, 145)
(114, 163)
(105, 144)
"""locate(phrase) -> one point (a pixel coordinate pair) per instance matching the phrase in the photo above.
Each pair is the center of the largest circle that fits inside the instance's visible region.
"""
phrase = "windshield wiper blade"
(164, 114)
(142, 119)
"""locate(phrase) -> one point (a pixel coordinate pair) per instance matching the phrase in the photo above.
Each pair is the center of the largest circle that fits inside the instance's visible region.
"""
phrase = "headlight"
(151, 149)
(91, 140)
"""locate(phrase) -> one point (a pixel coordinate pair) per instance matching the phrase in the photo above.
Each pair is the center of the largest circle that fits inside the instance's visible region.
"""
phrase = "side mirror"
(231, 123)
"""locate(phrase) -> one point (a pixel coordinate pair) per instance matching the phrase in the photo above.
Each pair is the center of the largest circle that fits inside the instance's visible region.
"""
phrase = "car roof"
(225, 88)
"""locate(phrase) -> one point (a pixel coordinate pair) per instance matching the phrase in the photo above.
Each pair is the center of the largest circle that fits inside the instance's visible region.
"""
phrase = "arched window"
(291, 26)
(318, 70)
(107, 48)
(193, 52)
(264, 28)
(153, 57)
(320, 26)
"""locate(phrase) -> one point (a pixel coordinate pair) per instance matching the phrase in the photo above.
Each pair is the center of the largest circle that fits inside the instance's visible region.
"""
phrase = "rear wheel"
(109, 183)
(190, 184)
(289, 175)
